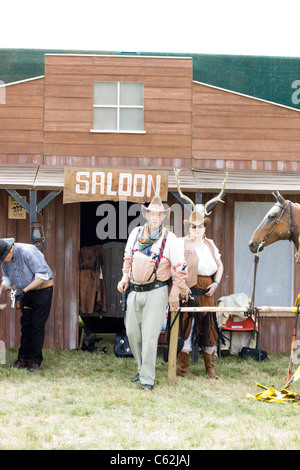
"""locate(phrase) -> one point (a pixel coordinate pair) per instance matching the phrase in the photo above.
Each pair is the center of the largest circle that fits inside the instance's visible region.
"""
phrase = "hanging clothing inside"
(92, 287)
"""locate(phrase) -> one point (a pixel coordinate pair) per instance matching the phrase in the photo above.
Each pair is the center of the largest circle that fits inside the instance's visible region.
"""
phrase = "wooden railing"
(172, 360)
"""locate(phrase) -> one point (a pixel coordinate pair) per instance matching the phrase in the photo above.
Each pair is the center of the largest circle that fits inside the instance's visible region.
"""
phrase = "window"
(118, 107)
(275, 272)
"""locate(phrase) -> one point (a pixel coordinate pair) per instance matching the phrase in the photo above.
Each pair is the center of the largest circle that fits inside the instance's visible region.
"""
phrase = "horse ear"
(274, 196)
(280, 198)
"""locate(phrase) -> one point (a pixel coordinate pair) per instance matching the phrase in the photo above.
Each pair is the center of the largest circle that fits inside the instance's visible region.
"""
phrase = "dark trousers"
(36, 306)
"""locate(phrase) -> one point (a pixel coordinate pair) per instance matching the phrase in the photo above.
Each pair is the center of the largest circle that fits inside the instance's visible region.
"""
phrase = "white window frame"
(118, 106)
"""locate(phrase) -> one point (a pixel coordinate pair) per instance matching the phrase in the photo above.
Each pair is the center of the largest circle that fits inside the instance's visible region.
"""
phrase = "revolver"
(12, 296)
(123, 302)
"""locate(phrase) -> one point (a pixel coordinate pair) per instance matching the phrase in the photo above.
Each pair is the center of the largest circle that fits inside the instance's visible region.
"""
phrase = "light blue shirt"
(27, 264)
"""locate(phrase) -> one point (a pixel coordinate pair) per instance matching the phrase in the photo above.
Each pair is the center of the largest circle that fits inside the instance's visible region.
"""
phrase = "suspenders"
(161, 251)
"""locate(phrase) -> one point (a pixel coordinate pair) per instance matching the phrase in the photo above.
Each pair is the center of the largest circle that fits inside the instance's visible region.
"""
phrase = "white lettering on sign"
(110, 192)
(296, 94)
(125, 184)
(79, 188)
(97, 182)
(142, 184)
(150, 185)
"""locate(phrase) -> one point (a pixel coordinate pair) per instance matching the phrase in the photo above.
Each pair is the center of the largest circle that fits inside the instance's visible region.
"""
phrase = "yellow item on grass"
(284, 396)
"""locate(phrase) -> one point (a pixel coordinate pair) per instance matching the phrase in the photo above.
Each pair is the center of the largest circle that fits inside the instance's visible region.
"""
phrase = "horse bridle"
(283, 210)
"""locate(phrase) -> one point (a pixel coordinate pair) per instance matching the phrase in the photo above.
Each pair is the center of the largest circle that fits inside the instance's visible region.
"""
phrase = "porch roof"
(31, 176)
(239, 181)
(46, 177)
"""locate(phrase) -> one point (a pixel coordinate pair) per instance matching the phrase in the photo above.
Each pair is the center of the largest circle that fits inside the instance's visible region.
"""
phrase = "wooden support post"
(33, 208)
(172, 360)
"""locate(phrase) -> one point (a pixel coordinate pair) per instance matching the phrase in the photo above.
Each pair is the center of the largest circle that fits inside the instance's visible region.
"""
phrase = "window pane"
(106, 93)
(131, 119)
(105, 119)
(131, 94)
(274, 282)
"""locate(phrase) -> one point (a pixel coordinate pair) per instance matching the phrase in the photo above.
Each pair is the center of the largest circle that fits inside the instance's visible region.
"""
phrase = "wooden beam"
(40, 206)
(264, 309)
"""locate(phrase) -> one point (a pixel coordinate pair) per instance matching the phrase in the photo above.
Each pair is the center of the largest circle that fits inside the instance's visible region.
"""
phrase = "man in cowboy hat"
(24, 266)
(150, 254)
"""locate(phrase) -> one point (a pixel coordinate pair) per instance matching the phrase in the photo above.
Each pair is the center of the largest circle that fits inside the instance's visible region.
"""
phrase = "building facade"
(102, 114)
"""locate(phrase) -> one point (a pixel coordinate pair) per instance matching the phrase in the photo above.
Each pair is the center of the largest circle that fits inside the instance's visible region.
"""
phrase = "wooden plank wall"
(61, 227)
(22, 122)
(276, 332)
(228, 126)
(69, 85)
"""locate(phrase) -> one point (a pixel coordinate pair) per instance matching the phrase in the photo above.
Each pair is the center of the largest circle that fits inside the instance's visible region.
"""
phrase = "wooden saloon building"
(144, 114)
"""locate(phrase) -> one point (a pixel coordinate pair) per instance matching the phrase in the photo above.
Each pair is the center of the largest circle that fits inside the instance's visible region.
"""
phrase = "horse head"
(278, 224)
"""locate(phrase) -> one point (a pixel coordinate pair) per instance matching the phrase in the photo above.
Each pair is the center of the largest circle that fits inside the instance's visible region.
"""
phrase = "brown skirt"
(205, 330)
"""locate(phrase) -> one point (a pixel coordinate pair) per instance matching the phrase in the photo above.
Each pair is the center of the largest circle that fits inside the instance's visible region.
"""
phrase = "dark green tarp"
(275, 79)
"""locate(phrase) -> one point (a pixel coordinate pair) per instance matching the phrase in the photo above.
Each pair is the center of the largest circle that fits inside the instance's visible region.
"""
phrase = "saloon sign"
(98, 184)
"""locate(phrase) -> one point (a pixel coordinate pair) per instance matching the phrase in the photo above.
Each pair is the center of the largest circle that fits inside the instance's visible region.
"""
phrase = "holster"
(194, 296)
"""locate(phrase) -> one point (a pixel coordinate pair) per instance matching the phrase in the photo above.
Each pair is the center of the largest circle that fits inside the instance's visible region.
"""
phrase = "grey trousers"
(143, 321)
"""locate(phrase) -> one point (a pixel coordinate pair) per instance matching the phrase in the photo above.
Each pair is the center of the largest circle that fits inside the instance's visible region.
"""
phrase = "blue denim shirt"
(27, 264)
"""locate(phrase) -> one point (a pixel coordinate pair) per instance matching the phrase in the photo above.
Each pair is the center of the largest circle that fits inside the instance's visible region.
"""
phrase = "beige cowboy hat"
(196, 218)
(155, 205)
(5, 247)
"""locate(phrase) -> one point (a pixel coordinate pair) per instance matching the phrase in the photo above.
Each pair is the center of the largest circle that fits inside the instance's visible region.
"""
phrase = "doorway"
(105, 226)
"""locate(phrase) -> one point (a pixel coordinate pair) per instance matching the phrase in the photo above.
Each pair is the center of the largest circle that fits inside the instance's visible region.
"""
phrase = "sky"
(238, 27)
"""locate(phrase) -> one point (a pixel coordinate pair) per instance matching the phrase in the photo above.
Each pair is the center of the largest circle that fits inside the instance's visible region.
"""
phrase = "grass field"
(82, 400)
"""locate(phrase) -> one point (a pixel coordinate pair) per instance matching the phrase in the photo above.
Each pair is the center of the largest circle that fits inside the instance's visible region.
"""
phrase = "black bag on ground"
(122, 347)
(254, 353)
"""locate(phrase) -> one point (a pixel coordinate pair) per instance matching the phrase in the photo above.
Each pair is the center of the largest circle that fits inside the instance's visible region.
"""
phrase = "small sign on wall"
(15, 210)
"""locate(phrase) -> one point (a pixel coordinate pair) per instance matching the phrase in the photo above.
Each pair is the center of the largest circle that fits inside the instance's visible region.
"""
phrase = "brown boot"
(183, 362)
(209, 364)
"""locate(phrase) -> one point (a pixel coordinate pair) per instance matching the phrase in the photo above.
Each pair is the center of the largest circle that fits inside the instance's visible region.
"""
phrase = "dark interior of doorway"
(89, 237)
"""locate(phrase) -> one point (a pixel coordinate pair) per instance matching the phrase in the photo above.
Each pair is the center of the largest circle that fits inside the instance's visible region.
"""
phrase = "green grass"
(82, 400)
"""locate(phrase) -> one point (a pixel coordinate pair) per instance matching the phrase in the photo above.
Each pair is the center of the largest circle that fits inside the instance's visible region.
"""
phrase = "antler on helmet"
(200, 207)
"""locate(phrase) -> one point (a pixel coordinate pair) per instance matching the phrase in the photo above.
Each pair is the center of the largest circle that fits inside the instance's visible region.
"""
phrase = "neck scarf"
(146, 240)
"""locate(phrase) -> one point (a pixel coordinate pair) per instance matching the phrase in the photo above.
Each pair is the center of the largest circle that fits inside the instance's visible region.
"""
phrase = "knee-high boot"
(209, 364)
(183, 362)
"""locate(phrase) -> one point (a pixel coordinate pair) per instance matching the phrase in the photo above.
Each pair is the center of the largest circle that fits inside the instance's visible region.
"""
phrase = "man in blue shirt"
(24, 266)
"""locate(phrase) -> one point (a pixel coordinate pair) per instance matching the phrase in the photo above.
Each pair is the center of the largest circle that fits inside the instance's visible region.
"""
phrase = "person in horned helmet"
(150, 254)
(205, 270)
